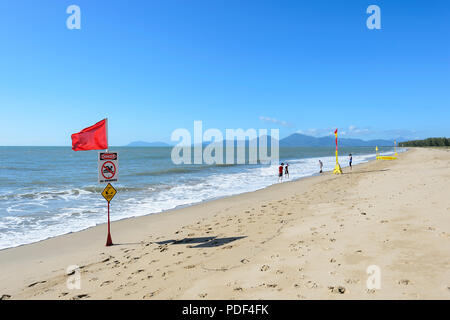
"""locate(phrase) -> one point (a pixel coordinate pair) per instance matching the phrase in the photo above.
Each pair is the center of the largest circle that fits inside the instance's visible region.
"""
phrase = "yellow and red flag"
(335, 134)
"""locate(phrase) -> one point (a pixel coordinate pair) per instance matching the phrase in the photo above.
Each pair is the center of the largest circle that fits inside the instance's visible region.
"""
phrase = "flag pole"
(337, 168)
(107, 135)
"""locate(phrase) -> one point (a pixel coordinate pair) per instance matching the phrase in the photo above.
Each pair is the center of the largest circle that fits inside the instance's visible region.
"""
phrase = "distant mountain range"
(297, 140)
(301, 140)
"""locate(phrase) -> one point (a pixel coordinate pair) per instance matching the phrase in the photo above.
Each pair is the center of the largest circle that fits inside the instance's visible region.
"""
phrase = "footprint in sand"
(338, 289)
(150, 295)
(38, 282)
(352, 281)
(312, 285)
(404, 282)
(106, 283)
(162, 248)
(138, 271)
(265, 267)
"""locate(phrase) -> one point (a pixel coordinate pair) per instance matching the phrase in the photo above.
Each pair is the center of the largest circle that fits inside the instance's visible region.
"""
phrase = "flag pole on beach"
(108, 238)
(96, 137)
(337, 168)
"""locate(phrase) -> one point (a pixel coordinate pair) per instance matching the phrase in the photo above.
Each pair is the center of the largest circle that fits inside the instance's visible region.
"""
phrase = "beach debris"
(245, 261)
(363, 213)
(5, 297)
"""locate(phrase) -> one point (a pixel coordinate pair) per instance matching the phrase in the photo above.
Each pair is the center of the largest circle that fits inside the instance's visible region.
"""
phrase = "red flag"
(91, 138)
(335, 134)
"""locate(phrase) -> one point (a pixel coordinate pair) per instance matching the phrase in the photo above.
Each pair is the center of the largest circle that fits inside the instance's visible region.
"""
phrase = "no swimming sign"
(108, 167)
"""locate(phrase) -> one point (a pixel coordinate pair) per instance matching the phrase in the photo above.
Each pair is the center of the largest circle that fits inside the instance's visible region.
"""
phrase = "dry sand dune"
(309, 239)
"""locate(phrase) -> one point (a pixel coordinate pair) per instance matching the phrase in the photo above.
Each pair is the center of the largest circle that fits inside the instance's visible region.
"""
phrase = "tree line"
(430, 142)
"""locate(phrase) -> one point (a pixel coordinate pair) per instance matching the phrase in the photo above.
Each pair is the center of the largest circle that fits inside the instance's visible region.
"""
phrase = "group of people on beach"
(283, 169)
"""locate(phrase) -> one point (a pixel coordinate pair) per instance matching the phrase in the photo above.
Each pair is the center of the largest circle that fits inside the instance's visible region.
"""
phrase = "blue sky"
(157, 65)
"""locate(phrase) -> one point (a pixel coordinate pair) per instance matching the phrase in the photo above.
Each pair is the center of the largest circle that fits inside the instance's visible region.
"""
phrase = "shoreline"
(207, 251)
(193, 203)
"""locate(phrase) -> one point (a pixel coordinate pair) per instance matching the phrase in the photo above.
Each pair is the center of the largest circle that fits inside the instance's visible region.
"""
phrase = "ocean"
(50, 191)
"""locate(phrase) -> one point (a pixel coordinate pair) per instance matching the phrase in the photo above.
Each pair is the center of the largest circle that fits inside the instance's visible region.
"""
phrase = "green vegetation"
(430, 142)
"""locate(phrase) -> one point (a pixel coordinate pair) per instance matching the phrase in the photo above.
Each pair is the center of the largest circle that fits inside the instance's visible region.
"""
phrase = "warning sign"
(108, 167)
(109, 192)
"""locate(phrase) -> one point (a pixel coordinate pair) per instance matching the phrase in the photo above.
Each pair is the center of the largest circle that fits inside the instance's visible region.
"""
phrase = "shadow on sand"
(202, 242)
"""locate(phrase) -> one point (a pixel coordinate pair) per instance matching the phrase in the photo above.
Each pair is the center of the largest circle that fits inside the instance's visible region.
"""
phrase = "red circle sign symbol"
(108, 170)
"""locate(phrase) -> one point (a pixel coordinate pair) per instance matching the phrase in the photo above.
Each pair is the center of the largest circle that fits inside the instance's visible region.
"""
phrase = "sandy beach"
(309, 239)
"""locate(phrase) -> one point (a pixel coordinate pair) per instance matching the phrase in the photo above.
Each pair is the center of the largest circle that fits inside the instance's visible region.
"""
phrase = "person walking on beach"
(320, 165)
(280, 172)
(350, 160)
(286, 170)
